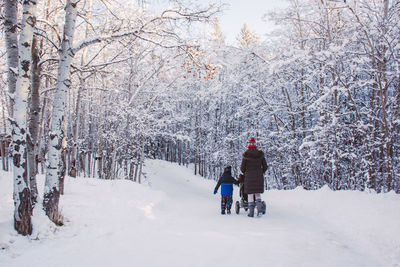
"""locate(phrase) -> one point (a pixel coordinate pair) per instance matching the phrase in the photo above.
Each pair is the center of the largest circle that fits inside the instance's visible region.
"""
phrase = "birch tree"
(55, 162)
(11, 36)
(22, 192)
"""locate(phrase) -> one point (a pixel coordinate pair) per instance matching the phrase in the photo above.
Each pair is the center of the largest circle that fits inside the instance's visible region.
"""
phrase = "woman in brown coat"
(253, 167)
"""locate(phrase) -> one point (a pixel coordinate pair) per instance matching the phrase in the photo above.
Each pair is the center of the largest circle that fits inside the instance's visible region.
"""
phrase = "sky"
(251, 12)
(236, 13)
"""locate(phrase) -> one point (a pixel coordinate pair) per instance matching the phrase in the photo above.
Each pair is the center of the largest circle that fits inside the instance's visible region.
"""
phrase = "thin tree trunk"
(34, 111)
(76, 125)
(89, 157)
(94, 165)
(141, 161)
(100, 165)
(136, 172)
(54, 164)
(131, 166)
(75, 149)
(4, 153)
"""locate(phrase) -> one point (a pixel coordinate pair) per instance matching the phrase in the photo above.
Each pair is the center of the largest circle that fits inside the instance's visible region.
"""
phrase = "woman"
(253, 167)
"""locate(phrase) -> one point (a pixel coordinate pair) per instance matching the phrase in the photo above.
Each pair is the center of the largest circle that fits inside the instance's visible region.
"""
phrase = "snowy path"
(285, 237)
(176, 222)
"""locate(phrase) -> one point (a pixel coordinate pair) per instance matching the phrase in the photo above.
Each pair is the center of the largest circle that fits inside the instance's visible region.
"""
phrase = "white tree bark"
(74, 165)
(10, 32)
(22, 194)
(55, 163)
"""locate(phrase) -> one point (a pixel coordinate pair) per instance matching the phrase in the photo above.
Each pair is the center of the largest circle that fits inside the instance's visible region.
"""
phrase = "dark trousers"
(226, 202)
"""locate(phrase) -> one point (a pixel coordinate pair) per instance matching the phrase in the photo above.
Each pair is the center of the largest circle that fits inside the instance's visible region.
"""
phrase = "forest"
(91, 88)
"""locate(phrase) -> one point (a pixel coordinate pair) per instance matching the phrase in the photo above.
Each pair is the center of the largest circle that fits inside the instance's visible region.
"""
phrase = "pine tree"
(217, 35)
(247, 37)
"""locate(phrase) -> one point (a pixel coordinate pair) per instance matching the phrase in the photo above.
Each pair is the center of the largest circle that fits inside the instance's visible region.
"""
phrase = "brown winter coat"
(253, 167)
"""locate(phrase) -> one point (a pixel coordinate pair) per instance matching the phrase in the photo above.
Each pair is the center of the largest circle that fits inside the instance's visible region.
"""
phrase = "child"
(226, 182)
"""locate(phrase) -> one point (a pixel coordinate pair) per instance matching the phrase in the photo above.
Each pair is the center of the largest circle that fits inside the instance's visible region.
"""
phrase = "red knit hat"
(252, 143)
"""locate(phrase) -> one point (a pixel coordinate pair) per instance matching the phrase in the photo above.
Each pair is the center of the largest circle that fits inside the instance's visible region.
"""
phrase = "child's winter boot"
(259, 207)
(251, 209)
(222, 211)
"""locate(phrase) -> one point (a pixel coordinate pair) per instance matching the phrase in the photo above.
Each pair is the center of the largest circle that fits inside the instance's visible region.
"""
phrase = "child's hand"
(215, 191)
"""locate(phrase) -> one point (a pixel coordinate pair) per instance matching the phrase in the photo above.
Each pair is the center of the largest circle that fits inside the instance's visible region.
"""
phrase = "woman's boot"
(259, 207)
(251, 209)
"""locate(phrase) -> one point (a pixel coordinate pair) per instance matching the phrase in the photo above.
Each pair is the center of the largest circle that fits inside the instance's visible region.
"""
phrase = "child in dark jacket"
(226, 182)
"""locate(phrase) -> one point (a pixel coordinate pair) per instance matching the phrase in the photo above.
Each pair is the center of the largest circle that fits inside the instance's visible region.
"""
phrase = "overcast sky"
(247, 11)
(238, 12)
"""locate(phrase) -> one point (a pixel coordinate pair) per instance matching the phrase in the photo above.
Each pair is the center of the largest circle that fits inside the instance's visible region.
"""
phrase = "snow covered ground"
(175, 221)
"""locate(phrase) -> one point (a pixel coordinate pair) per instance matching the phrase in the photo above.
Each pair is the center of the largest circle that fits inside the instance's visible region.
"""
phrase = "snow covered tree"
(247, 37)
(217, 35)
(22, 192)
(149, 28)
(56, 163)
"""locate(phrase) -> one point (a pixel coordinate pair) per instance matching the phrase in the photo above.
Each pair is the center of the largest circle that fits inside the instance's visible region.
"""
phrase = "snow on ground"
(175, 221)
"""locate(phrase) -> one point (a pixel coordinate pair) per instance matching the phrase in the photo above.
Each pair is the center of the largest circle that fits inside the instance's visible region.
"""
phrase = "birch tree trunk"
(55, 165)
(3, 144)
(10, 32)
(22, 193)
(33, 121)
